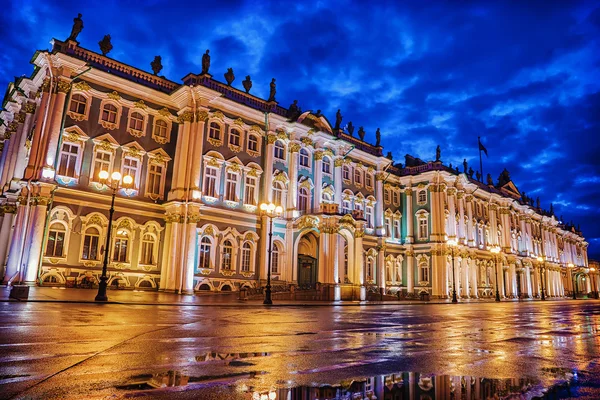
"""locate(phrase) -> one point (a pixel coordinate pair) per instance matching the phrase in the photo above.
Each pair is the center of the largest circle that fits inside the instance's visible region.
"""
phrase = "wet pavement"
(434, 351)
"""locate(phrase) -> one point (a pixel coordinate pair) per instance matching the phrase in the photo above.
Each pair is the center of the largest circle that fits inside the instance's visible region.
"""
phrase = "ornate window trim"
(105, 144)
(305, 154)
(74, 136)
(327, 161)
(215, 141)
(422, 215)
(153, 229)
(88, 102)
(212, 252)
(282, 147)
(258, 151)
(346, 174)
(100, 222)
(119, 112)
(161, 158)
(422, 197)
(133, 151)
(160, 139)
(241, 139)
(234, 255)
(135, 132)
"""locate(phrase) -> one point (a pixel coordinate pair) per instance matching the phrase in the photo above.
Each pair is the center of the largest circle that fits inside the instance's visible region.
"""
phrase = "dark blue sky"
(525, 76)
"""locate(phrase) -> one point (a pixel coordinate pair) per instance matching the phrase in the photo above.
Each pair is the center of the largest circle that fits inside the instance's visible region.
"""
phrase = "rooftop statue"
(457, 171)
(205, 62)
(156, 65)
(318, 114)
(537, 202)
(338, 119)
(389, 155)
(229, 76)
(490, 181)
(273, 91)
(465, 165)
(504, 178)
(293, 111)
(478, 175)
(438, 153)
(450, 166)
(471, 172)
(377, 138)
(361, 133)
(247, 83)
(77, 28)
(350, 128)
(105, 45)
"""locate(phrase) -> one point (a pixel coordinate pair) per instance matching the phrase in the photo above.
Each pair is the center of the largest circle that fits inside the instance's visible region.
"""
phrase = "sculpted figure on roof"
(77, 28)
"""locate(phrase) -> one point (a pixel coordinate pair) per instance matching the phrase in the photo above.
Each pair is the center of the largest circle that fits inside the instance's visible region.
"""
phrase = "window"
(210, 182)
(160, 129)
(136, 122)
(369, 214)
(227, 255)
(327, 197)
(69, 155)
(304, 158)
(386, 195)
(56, 240)
(147, 256)
(102, 162)
(205, 249)
(214, 132)
(397, 228)
(303, 199)
(253, 143)
(121, 246)
(357, 177)
(78, 104)
(231, 186)
(155, 173)
(131, 167)
(346, 207)
(250, 191)
(396, 197)
(369, 269)
(109, 113)
(275, 259)
(90, 244)
(422, 197)
(388, 227)
(326, 165)
(246, 252)
(234, 137)
(369, 180)
(278, 193)
(424, 272)
(279, 150)
(423, 229)
(346, 173)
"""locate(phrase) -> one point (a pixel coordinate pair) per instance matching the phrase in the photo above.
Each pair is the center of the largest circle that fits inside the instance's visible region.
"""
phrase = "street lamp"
(271, 211)
(572, 266)
(453, 243)
(496, 250)
(115, 183)
(541, 260)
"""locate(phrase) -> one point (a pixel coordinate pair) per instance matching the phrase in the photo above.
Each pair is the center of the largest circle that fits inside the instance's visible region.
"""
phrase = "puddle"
(392, 386)
(229, 358)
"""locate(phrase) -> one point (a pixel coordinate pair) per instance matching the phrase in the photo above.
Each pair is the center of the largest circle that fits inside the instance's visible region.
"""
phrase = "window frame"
(107, 124)
(76, 115)
(77, 162)
(65, 232)
(167, 126)
(422, 200)
(279, 147)
(133, 131)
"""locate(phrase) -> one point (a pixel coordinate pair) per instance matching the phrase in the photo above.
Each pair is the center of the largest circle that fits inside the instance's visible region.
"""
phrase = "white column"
(359, 264)
(197, 154)
(21, 159)
(409, 217)
(63, 87)
(470, 228)
(318, 174)
(181, 166)
(337, 180)
(16, 244)
(381, 267)
(9, 148)
(379, 225)
(410, 271)
(190, 253)
(461, 218)
(451, 213)
(33, 244)
(166, 255)
(465, 277)
(5, 230)
(528, 286)
(473, 270)
(292, 194)
(268, 173)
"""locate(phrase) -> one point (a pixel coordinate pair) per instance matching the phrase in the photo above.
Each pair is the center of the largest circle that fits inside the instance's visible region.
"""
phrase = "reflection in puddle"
(228, 358)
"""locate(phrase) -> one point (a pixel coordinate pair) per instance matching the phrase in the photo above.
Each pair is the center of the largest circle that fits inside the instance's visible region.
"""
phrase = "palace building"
(204, 155)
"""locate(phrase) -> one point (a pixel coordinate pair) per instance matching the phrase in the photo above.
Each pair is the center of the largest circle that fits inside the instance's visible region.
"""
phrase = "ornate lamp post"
(453, 243)
(572, 266)
(496, 251)
(541, 260)
(115, 184)
(271, 211)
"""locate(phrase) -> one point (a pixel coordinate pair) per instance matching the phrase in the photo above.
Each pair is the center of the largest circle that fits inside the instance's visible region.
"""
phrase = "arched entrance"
(308, 250)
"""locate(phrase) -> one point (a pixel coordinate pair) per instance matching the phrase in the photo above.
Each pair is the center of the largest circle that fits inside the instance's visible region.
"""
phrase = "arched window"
(121, 248)
(357, 177)
(253, 143)
(422, 197)
(346, 173)
(369, 216)
(388, 227)
(388, 271)
(136, 121)
(214, 132)
(423, 272)
(346, 264)
(278, 193)
(246, 253)
(326, 197)
(386, 196)
(304, 158)
(303, 199)
(369, 268)
(275, 259)
(160, 129)
(227, 255)
(90, 244)
(210, 181)
(56, 240)
(205, 249)
(279, 150)
(109, 113)
(326, 165)
(346, 207)
(231, 186)
(369, 180)
(78, 104)
(234, 137)
(147, 256)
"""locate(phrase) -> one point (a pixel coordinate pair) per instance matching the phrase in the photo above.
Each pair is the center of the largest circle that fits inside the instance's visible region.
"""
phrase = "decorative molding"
(82, 85)
(140, 104)
(114, 96)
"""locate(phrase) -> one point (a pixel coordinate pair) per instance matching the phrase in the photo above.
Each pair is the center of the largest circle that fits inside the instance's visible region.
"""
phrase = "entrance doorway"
(307, 272)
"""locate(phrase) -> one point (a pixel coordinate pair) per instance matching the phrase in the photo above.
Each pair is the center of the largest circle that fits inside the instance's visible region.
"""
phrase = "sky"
(523, 75)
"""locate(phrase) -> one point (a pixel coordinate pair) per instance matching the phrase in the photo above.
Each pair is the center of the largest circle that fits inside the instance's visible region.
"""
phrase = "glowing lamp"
(263, 207)
(278, 210)
(540, 259)
(116, 176)
(127, 180)
(103, 175)
(571, 265)
(47, 173)
(452, 242)
(495, 249)
(592, 269)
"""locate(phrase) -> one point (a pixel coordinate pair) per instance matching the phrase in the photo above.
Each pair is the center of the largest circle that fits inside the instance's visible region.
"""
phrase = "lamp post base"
(268, 300)
(454, 300)
(101, 296)
(497, 296)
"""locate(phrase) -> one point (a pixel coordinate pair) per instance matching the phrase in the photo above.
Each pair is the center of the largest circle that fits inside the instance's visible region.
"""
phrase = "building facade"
(203, 156)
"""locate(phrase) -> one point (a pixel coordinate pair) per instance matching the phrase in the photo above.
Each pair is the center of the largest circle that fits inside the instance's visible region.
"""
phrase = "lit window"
(56, 240)
(386, 195)
(253, 143)
(278, 193)
(304, 158)
(102, 162)
(388, 227)
(357, 177)
(90, 244)
(279, 150)
(227, 255)
(155, 173)
(369, 268)
(147, 256)
(136, 121)
(369, 216)
(109, 113)
(396, 197)
(326, 165)
(210, 182)
(160, 129)
(303, 199)
(423, 229)
(78, 104)
(131, 167)
(231, 186)
(121, 246)
(250, 191)
(346, 209)
(424, 272)
(205, 249)
(69, 156)
(234, 137)
(215, 131)
(369, 180)
(397, 229)
(275, 259)
(246, 252)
